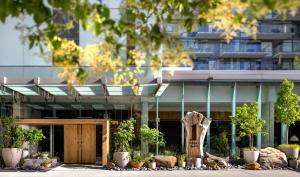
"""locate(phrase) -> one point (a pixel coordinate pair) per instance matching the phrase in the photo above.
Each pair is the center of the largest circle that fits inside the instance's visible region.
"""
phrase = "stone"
(222, 162)
(272, 158)
(165, 161)
(253, 166)
(32, 164)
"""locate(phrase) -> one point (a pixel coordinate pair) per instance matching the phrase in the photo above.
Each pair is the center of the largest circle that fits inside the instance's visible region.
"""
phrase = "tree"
(247, 121)
(142, 24)
(152, 136)
(287, 108)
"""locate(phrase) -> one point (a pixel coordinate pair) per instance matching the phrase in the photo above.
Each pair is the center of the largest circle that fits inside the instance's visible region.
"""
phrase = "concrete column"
(233, 126)
(144, 121)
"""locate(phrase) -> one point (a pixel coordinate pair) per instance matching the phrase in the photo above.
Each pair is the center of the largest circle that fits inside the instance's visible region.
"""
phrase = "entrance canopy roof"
(36, 88)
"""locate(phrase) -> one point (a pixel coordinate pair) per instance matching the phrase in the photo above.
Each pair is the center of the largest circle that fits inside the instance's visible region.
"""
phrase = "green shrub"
(138, 159)
(181, 157)
(123, 135)
(152, 136)
(292, 146)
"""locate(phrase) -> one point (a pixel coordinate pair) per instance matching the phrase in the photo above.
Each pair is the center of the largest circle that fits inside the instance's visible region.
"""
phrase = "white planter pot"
(152, 165)
(293, 163)
(11, 156)
(182, 164)
(54, 162)
(25, 154)
(251, 156)
(121, 158)
(294, 152)
(198, 162)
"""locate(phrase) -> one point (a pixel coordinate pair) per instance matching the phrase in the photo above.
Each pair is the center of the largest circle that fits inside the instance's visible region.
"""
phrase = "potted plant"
(46, 163)
(45, 154)
(181, 160)
(25, 153)
(293, 162)
(12, 139)
(121, 138)
(287, 106)
(137, 162)
(151, 161)
(54, 160)
(249, 125)
(33, 136)
(291, 150)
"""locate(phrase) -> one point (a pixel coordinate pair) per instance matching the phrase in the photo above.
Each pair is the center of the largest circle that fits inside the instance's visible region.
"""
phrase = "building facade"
(223, 76)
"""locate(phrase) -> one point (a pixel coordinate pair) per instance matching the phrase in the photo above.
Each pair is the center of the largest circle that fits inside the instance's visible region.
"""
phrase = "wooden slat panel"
(88, 146)
(105, 142)
(71, 144)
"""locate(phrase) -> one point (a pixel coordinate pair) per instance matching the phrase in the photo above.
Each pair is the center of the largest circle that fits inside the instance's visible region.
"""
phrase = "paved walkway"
(89, 172)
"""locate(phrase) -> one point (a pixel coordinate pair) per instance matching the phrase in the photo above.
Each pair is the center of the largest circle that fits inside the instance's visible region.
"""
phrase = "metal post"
(52, 134)
(182, 118)
(208, 116)
(156, 123)
(258, 136)
(233, 127)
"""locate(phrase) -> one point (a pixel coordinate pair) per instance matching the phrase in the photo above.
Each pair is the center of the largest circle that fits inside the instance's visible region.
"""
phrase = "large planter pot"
(25, 154)
(182, 164)
(121, 158)
(293, 163)
(251, 156)
(11, 156)
(294, 152)
(136, 164)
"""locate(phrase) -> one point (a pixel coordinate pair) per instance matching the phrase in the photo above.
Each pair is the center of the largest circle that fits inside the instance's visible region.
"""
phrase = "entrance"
(80, 143)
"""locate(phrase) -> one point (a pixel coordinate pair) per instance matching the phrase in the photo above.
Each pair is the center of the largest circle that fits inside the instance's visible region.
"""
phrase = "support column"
(144, 121)
(208, 116)
(105, 142)
(17, 109)
(233, 127)
(156, 124)
(283, 134)
(182, 118)
(258, 136)
(52, 134)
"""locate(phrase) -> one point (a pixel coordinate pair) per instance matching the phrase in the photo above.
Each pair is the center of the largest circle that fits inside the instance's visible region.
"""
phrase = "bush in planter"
(287, 106)
(121, 138)
(137, 162)
(290, 149)
(181, 160)
(12, 139)
(249, 125)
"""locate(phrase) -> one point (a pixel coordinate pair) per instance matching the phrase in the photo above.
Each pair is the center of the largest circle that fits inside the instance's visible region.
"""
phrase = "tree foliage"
(123, 135)
(287, 108)
(142, 24)
(247, 121)
(152, 136)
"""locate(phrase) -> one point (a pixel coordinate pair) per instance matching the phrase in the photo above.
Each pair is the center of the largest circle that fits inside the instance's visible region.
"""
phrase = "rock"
(272, 158)
(222, 162)
(165, 161)
(253, 166)
(110, 165)
(32, 164)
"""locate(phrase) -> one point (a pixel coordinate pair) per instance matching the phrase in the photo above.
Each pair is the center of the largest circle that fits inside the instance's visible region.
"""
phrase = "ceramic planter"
(11, 156)
(25, 154)
(121, 158)
(136, 164)
(152, 165)
(294, 163)
(251, 156)
(182, 164)
(294, 152)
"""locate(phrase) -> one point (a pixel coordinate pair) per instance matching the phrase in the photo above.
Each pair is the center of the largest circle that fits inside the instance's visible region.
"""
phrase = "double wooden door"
(80, 143)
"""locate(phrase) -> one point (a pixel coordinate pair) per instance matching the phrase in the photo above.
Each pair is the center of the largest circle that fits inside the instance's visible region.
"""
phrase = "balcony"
(237, 50)
(275, 31)
(287, 50)
(198, 49)
(208, 32)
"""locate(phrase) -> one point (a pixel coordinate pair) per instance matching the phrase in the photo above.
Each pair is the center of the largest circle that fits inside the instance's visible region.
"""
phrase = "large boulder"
(253, 166)
(272, 158)
(165, 161)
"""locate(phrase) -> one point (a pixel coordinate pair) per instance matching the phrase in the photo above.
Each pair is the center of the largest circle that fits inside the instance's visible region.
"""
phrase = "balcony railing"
(276, 28)
(195, 46)
(237, 47)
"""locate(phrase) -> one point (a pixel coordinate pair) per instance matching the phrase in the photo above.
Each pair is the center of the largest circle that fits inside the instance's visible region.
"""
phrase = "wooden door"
(88, 146)
(71, 144)
(80, 143)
